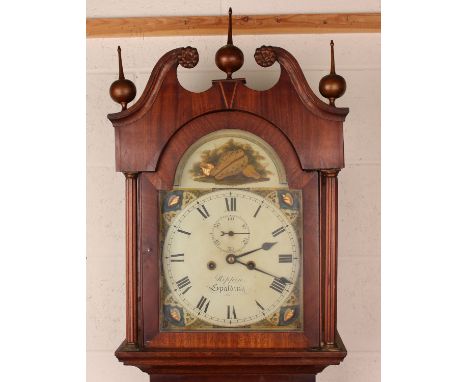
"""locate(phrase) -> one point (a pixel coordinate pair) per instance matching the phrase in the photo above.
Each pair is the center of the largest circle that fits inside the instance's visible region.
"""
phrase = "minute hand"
(265, 247)
(282, 279)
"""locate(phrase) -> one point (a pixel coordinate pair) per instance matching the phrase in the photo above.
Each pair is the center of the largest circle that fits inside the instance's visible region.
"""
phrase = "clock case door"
(150, 185)
(307, 134)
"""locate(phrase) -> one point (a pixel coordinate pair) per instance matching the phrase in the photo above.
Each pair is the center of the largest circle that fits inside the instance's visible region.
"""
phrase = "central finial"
(229, 41)
(229, 58)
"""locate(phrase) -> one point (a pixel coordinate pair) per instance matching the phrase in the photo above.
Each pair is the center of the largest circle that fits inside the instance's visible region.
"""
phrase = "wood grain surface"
(131, 217)
(314, 128)
(150, 137)
(242, 24)
(152, 182)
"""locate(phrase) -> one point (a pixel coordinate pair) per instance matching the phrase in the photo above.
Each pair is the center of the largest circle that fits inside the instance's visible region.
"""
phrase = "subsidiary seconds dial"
(230, 232)
(231, 258)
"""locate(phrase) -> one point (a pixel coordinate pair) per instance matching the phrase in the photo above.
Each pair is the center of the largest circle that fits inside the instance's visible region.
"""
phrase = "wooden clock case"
(150, 138)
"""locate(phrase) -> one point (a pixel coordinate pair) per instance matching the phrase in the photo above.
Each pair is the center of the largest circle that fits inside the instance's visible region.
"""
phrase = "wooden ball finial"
(122, 90)
(332, 86)
(229, 58)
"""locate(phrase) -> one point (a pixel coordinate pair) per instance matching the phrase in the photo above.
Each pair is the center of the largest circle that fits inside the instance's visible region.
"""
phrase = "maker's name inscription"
(228, 284)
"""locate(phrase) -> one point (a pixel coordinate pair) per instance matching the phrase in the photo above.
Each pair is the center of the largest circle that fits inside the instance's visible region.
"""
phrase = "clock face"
(231, 258)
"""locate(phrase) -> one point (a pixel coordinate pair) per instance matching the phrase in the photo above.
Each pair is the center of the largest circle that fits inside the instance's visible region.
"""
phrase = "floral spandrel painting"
(232, 163)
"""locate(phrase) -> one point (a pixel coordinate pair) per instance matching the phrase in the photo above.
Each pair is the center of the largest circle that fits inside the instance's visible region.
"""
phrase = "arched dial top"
(230, 158)
(232, 258)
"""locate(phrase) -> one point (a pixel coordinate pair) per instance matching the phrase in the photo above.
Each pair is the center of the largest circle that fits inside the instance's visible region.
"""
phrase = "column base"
(233, 378)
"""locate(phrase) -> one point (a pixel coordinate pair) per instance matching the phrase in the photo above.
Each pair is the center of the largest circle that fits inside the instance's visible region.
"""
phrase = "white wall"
(119, 8)
(357, 59)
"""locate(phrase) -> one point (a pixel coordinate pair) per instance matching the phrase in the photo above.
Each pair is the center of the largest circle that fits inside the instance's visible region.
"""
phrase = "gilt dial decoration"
(231, 259)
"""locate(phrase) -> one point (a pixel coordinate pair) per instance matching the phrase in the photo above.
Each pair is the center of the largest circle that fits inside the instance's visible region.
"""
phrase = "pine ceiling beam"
(242, 25)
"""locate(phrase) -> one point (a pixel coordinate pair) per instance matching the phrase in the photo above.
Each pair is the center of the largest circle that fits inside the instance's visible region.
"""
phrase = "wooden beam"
(242, 25)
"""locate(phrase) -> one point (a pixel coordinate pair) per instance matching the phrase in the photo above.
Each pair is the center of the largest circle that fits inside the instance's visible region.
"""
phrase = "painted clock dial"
(231, 258)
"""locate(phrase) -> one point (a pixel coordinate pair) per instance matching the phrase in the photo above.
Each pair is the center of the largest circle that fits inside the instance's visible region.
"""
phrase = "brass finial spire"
(229, 58)
(332, 54)
(229, 40)
(121, 72)
(122, 90)
(332, 86)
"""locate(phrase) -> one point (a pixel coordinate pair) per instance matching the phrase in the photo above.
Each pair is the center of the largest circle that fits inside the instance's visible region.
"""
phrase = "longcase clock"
(231, 222)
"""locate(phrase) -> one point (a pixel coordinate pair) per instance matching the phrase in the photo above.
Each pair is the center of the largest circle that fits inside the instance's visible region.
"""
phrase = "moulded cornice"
(313, 103)
(188, 57)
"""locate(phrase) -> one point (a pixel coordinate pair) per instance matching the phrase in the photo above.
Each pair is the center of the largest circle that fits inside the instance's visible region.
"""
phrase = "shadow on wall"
(258, 78)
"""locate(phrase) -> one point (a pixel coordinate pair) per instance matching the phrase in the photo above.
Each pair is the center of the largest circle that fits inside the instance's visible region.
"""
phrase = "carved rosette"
(265, 56)
(188, 57)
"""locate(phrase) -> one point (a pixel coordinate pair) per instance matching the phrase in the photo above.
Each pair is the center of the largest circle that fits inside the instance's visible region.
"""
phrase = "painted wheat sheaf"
(231, 163)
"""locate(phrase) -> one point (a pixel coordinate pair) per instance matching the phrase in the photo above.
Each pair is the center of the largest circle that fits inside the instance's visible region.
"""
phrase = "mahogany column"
(329, 196)
(131, 255)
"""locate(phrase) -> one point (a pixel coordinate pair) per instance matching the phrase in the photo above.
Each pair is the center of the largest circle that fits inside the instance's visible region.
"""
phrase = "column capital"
(130, 174)
(330, 172)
